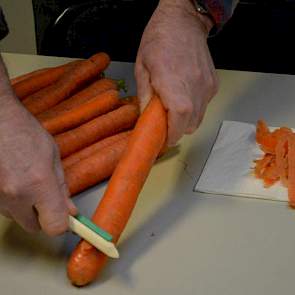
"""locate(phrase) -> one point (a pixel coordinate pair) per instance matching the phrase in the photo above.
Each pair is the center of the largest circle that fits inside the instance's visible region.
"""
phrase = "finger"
(177, 124)
(71, 206)
(196, 118)
(59, 172)
(52, 207)
(177, 100)
(144, 88)
(26, 217)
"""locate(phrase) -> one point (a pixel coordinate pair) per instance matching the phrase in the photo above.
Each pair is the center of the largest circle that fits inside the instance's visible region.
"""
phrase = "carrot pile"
(278, 161)
(99, 135)
(84, 112)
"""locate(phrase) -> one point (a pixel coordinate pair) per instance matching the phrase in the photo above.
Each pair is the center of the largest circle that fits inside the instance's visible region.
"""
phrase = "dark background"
(259, 37)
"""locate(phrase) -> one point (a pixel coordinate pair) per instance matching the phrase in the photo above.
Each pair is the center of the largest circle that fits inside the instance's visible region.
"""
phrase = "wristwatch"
(201, 8)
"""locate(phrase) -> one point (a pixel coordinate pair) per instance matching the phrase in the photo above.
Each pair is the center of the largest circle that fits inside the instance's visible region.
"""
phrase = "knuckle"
(212, 84)
(199, 75)
(184, 108)
(191, 129)
(37, 177)
(137, 69)
(9, 190)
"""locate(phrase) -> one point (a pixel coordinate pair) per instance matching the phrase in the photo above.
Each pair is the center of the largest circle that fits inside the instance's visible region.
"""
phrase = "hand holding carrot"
(32, 189)
(174, 61)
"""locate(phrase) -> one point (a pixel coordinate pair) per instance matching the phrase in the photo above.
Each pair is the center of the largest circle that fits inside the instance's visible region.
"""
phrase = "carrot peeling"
(278, 162)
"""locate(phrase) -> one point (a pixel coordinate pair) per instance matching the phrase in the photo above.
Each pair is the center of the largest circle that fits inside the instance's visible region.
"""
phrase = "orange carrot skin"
(70, 82)
(85, 153)
(17, 79)
(99, 105)
(79, 98)
(121, 119)
(114, 210)
(261, 131)
(261, 164)
(282, 160)
(40, 80)
(291, 170)
(95, 168)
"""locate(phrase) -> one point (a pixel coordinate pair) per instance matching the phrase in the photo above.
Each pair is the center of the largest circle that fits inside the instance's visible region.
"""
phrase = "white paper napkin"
(228, 167)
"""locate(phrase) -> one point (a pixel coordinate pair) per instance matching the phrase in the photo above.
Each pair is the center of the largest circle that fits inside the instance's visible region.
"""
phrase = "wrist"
(189, 6)
(206, 21)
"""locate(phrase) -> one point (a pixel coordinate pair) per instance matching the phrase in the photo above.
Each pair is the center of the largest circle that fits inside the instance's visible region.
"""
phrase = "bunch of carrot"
(84, 112)
(278, 161)
(98, 135)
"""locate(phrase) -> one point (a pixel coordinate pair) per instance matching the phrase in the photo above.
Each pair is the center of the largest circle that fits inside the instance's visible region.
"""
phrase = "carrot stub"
(114, 210)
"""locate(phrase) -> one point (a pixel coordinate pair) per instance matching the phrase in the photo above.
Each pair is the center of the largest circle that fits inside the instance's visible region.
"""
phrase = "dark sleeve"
(221, 11)
(3, 25)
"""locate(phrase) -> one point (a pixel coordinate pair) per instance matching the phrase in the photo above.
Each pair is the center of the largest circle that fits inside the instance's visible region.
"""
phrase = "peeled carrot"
(94, 168)
(114, 210)
(84, 153)
(101, 127)
(69, 82)
(79, 98)
(98, 105)
(40, 79)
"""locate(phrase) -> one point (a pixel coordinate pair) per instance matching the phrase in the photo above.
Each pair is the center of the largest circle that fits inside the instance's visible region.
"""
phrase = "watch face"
(200, 7)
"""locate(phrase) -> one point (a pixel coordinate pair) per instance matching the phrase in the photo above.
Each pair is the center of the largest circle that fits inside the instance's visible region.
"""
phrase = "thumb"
(59, 172)
(144, 88)
(52, 207)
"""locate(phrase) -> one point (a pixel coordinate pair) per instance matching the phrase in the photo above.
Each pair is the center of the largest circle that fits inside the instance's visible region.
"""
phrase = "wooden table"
(177, 241)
